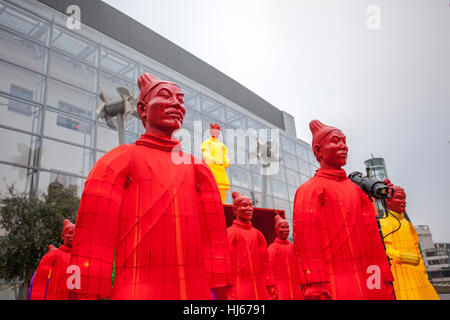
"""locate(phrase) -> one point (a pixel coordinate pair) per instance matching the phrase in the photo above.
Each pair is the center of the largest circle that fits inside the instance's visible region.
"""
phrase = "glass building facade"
(49, 91)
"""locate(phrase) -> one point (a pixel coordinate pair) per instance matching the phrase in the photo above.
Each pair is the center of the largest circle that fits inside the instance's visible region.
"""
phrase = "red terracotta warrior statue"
(253, 279)
(160, 221)
(282, 259)
(50, 280)
(339, 251)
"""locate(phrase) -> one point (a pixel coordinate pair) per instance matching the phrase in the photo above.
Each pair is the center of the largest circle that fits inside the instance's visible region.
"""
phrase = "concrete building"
(436, 257)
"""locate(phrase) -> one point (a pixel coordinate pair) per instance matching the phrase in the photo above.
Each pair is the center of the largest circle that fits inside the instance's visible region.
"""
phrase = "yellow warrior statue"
(215, 155)
(402, 247)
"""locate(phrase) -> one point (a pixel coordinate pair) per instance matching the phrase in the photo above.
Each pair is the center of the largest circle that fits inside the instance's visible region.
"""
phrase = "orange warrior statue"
(402, 246)
(50, 280)
(158, 219)
(339, 251)
(253, 279)
(215, 155)
(282, 259)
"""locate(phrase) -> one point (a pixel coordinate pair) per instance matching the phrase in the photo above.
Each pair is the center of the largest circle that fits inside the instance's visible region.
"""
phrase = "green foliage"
(28, 226)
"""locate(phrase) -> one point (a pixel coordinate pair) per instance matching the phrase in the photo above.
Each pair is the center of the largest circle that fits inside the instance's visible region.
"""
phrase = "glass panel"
(303, 179)
(30, 26)
(21, 178)
(240, 177)
(257, 183)
(21, 83)
(282, 205)
(312, 159)
(46, 178)
(292, 190)
(302, 152)
(189, 119)
(118, 64)
(292, 177)
(82, 103)
(235, 119)
(279, 174)
(213, 109)
(304, 167)
(287, 144)
(18, 114)
(130, 137)
(99, 154)
(73, 72)
(279, 189)
(289, 161)
(74, 45)
(22, 52)
(69, 128)
(107, 138)
(65, 157)
(108, 83)
(18, 147)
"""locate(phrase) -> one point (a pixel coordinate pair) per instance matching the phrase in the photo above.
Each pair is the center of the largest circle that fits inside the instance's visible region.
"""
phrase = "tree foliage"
(28, 226)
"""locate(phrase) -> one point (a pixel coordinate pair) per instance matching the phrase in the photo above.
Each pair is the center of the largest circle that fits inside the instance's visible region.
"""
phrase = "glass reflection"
(22, 52)
(73, 72)
(118, 64)
(18, 147)
(74, 45)
(65, 157)
(30, 26)
(20, 114)
(22, 83)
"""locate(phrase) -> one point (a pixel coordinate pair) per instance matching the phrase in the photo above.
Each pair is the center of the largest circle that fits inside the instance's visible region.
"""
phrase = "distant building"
(436, 257)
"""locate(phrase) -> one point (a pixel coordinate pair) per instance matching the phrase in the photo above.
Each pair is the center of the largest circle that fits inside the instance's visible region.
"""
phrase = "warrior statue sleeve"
(43, 273)
(97, 224)
(310, 258)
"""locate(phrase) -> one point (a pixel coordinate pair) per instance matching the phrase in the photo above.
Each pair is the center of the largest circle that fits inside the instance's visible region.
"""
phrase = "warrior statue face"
(398, 202)
(163, 109)
(243, 209)
(332, 151)
(283, 230)
(67, 234)
(214, 129)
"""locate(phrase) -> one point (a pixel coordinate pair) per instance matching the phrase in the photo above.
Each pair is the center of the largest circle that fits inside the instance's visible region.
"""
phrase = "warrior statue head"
(281, 228)
(214, 129)
(160, 105)
(329, 145)
(242, 207)
(67, 233)
(398, 202)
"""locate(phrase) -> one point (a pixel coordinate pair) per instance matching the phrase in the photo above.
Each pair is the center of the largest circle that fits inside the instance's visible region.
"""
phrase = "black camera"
(372, 187)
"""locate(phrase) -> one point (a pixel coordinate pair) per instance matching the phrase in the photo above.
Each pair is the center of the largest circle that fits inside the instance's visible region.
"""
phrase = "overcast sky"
(387, 89)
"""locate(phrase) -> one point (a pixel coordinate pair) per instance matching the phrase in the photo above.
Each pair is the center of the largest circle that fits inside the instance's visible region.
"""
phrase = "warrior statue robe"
(337, 242)
(410, 280)
(282, 259)
(50, 279)
(250, 261)
(160, 220)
